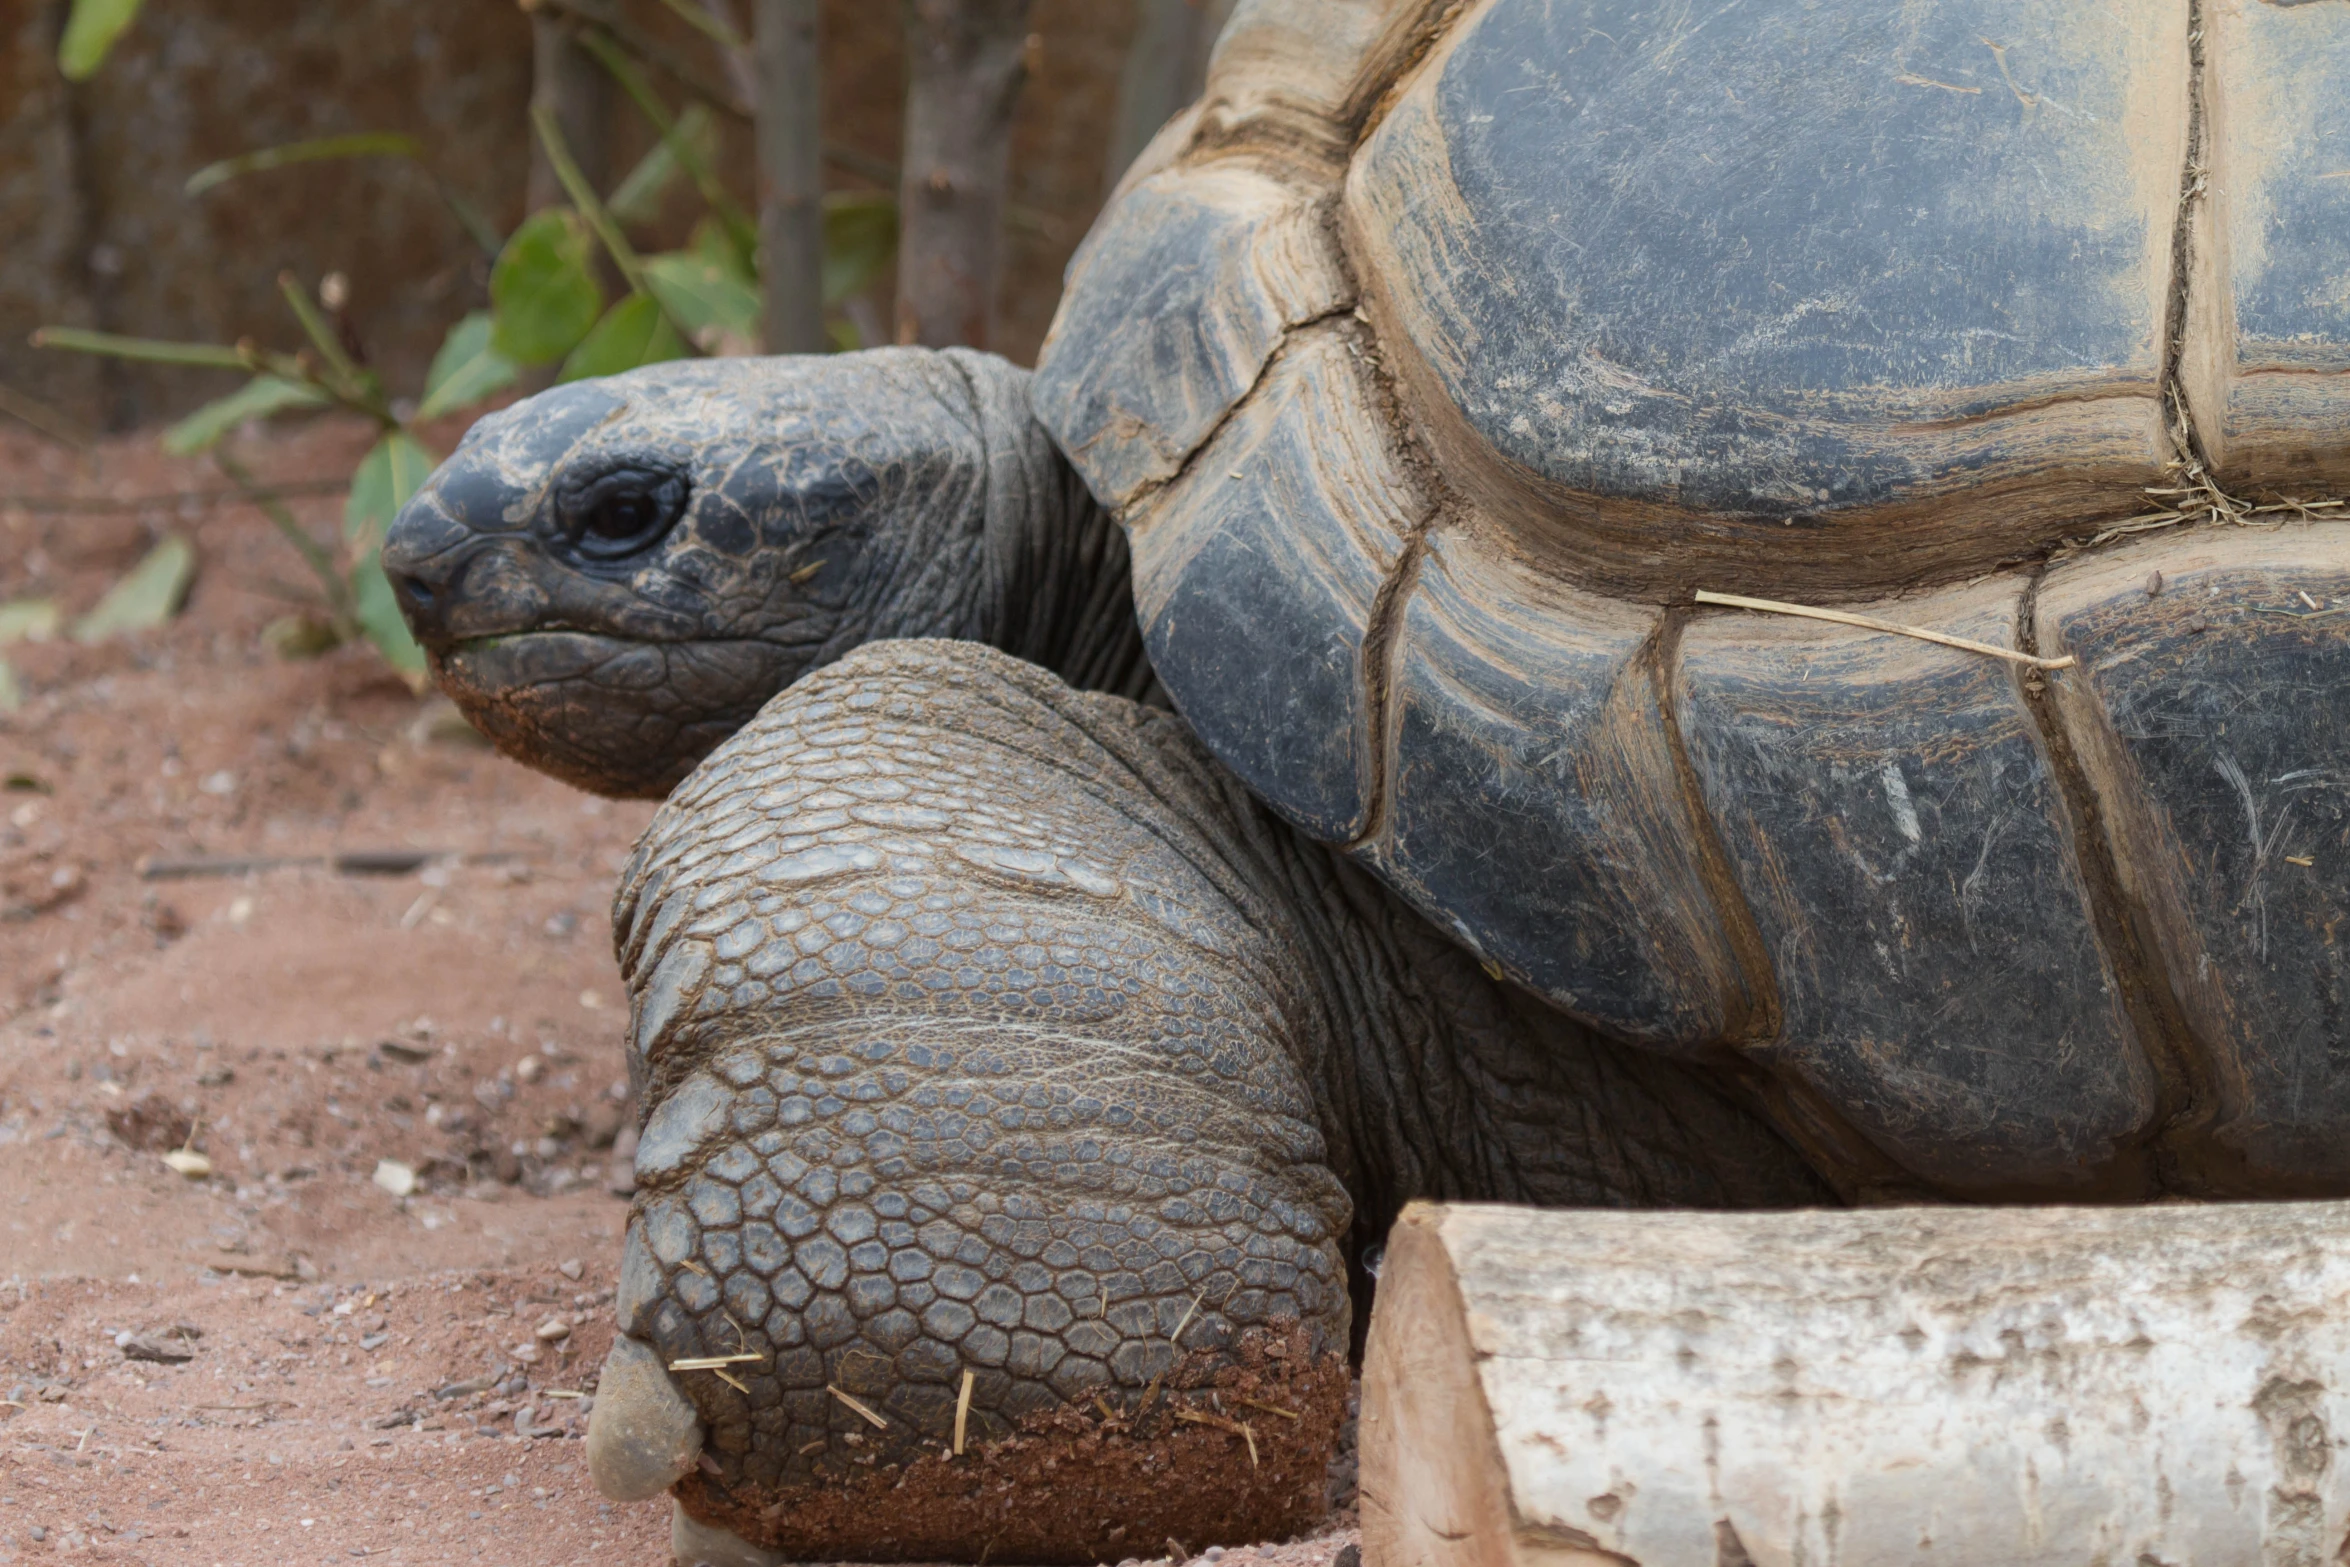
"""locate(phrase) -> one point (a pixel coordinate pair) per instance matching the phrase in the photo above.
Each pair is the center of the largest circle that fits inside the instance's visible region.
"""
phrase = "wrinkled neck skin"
(1059, 591)
(1010, 550)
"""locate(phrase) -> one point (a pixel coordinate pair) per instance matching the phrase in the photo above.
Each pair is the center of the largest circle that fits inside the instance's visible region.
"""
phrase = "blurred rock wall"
(95, 229)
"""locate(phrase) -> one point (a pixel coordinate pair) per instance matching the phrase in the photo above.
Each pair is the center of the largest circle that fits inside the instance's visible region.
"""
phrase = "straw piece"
(714, 1362)
(1239, 1428)
(962, 1410)
(877, 1420)
(1270, 1409)
(1872, 623)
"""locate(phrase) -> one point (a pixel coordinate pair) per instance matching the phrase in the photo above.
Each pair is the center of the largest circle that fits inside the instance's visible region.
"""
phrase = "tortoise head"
(613, 576)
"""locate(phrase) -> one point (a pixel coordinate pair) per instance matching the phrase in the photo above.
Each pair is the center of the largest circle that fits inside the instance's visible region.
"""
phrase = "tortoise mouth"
(494, 642)
(614, 714)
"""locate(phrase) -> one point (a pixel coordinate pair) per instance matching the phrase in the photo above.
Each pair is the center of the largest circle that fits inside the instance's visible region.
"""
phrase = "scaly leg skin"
(995, 1038)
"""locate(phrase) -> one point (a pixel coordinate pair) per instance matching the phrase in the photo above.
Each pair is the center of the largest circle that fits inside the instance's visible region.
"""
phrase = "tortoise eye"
(621, 511)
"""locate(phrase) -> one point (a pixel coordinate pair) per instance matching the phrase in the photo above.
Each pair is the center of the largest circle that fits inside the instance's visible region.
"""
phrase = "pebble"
(554, 1330)
(528, 1354)
(571, 1268)
(149, 1346)
(530, 1068)
(394, 1177)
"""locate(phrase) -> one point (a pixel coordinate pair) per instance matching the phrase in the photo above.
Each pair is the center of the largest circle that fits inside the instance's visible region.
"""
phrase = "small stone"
(163, 1351)
(528, 1354)
(394, 1177)
(571, 1268)
(189, 1163)
(1348, 1556)
(375, 1341)
(554, 1330)
(530, 1068)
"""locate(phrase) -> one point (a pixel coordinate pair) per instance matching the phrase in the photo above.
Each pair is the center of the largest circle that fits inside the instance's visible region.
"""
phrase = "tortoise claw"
(644, 1434)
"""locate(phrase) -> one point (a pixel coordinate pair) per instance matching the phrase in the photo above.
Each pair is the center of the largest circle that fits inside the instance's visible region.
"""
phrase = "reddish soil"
(365, 1375)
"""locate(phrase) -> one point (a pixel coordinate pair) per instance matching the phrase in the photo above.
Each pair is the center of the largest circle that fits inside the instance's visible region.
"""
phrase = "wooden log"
(2007, 1387)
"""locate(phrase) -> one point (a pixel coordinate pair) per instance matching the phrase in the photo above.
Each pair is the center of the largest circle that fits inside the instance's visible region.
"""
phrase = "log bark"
(965, 61)
(567, 78)
(790, 137)
(2022, 1387)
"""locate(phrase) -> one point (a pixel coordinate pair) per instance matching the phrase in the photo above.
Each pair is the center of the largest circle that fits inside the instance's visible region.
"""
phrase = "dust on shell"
(1074, 1485)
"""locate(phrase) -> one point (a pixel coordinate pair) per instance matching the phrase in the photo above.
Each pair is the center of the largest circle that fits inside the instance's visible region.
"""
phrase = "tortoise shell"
(1444, 353)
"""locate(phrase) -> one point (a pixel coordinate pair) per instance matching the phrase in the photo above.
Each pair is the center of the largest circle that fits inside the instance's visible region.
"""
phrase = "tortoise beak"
(444, 557)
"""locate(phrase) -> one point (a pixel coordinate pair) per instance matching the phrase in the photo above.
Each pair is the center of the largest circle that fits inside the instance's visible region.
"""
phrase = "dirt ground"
(285, 1360)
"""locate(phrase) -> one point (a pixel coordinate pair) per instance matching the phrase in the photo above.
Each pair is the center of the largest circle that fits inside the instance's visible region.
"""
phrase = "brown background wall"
(95, 229)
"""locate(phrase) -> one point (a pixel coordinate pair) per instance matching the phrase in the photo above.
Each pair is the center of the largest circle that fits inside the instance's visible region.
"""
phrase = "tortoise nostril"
(418, 594)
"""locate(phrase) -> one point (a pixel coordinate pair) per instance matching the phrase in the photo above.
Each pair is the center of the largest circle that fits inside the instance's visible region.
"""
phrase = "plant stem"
(568, 85)
(345, 381)
(314, 555)
(689, 157)
(791, 176)
(964, 67)
(209, 356)
(599, 217)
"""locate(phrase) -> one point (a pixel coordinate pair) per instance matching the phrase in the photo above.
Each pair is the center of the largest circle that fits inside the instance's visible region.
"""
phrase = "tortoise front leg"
(996, 1040)
(977, 1120)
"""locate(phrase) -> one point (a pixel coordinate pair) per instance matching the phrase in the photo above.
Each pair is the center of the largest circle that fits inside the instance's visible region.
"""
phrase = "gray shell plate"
(1822, 303)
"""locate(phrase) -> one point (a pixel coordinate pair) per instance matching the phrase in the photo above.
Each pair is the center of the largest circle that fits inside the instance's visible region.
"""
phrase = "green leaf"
(29, 620)
(378, 613)
(543, 292)
(211, 356)
(467, 368)
(714, 241)
(363, 144)
(705, 299)
(91, 31)
(639, 198)
(634, 332)
(147, 596)
(860, 238)
(393, 469)
(256, 399)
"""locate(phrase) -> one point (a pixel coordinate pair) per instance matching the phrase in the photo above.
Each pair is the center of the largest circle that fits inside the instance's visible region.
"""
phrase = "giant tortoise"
(1136, 824)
